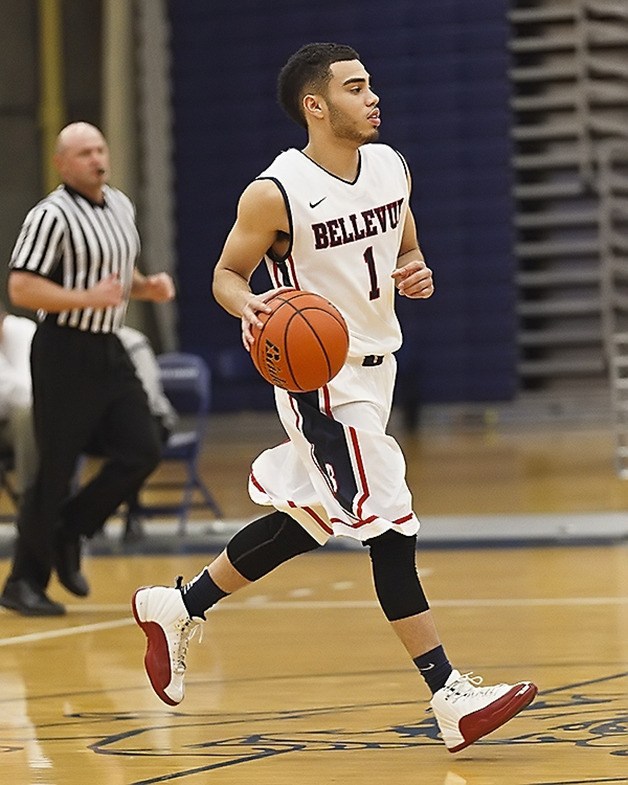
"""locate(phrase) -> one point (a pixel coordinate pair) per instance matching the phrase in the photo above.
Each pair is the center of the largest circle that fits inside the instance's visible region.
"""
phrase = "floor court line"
(300, 605)
(64, 632)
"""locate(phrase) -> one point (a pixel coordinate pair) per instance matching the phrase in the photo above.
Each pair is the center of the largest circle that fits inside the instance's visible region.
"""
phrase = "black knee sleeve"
(266, 543)
(395, 576)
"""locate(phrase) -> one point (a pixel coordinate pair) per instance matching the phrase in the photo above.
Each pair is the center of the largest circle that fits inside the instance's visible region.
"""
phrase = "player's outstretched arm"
(260, 218)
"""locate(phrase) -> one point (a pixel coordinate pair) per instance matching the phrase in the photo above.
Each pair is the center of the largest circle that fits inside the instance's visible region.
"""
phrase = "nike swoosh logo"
(315, 204)
(429, 668)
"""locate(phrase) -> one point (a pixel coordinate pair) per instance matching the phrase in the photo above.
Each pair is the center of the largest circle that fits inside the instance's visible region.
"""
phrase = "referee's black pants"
(84, 389)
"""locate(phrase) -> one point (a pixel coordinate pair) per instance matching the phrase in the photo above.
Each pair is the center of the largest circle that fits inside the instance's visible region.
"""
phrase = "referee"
(74, 263)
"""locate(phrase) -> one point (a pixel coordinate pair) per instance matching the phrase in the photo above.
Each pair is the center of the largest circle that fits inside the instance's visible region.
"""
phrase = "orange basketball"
(303, 342)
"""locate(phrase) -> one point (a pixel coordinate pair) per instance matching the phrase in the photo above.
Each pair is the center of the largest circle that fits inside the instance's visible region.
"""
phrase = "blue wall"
(440, 69)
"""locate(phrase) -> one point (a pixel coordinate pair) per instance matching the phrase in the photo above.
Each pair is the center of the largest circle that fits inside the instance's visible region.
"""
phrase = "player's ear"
(313, 105)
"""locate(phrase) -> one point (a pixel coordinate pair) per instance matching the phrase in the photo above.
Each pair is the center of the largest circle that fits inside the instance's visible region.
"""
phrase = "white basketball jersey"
(345, 239)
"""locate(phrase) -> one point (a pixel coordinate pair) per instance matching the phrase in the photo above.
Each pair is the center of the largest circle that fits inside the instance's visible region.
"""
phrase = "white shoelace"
(474, 681)
(188, 630)
(469, 685)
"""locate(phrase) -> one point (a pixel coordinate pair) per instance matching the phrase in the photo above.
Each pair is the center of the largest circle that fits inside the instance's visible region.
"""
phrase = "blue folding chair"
(186, 382)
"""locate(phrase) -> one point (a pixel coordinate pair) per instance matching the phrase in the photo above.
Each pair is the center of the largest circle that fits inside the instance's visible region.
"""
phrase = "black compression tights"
(397, 583)
(266, 543)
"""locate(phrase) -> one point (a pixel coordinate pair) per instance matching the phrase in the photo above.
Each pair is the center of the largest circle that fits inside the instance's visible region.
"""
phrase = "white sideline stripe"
(302, 605)
(516, 527)
(64, 632)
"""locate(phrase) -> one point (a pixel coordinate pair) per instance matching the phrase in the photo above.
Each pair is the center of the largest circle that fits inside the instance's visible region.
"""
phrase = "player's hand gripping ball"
(303, 341)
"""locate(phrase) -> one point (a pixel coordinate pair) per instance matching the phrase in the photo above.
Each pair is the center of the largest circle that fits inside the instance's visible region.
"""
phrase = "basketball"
(303, 341)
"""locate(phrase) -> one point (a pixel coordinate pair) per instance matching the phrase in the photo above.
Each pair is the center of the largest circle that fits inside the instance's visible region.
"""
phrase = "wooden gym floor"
(299, 678)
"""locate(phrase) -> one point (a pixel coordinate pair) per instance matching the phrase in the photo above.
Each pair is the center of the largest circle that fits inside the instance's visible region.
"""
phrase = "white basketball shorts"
(340, 473)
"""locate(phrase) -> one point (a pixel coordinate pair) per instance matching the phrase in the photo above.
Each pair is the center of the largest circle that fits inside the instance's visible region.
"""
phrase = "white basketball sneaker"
(168, 627)
(465, 711)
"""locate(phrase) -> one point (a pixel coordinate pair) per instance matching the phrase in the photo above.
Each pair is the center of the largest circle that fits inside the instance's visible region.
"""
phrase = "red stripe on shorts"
(316, 518)
(360, 464)
(253, 479)
(327, 402)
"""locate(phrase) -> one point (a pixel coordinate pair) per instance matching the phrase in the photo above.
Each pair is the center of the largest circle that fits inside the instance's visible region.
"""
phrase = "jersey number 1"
(370, 263)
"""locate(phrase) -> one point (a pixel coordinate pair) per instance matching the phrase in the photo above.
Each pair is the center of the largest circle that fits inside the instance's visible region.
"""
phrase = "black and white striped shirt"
(76, 243)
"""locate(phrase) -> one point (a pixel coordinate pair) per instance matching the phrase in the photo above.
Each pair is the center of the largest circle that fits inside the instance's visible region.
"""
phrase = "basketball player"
(333, 218)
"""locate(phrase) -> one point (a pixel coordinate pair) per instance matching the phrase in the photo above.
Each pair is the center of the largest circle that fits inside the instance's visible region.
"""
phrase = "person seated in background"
(16, 407)
(143, 358)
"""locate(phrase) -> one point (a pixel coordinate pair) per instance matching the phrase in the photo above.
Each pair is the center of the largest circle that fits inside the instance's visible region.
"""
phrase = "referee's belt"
(371, 360)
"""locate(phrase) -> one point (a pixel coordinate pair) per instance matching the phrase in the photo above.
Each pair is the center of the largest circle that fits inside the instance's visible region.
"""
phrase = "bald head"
(77, 134)
(82, 159)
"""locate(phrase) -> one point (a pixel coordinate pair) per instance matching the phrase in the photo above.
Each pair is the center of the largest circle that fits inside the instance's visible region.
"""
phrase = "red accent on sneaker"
(156, 658)
(486, 720)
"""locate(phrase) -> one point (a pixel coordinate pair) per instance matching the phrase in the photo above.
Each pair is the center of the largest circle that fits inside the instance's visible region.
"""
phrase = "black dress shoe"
(20, 596)
(68, 564)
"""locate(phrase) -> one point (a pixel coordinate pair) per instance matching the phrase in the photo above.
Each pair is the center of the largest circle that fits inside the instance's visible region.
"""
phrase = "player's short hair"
(308, 70)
